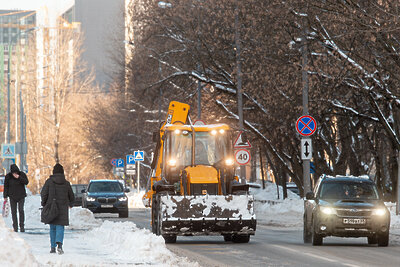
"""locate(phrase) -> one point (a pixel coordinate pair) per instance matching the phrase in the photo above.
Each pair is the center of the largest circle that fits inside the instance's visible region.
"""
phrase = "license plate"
(106, 206)
(354, 221)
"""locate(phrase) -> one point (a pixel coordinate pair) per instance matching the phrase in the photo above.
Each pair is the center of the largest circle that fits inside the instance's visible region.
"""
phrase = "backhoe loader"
(192, 189)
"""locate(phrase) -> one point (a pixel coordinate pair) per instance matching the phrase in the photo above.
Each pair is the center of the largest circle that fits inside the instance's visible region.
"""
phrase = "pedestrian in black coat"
(14, 188)
(64, 198)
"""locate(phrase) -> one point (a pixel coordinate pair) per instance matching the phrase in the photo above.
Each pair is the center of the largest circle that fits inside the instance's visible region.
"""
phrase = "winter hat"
(58, 168)
(14, 168)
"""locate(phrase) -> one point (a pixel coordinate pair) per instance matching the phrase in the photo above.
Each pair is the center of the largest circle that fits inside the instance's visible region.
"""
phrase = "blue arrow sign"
(130, 159)
(120, 163)
(139, 155)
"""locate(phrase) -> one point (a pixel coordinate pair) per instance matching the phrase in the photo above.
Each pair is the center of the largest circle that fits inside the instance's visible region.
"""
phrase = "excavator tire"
(241, 238)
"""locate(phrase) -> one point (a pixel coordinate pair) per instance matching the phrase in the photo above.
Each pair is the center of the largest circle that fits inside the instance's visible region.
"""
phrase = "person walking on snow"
(14, 188)
(64, 198)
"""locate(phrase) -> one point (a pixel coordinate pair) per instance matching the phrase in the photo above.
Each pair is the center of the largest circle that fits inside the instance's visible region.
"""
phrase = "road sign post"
(306, 126)
(139, 156)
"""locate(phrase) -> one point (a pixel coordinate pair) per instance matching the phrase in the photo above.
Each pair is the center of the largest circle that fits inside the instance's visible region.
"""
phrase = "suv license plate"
(106, 206)
(354, 221)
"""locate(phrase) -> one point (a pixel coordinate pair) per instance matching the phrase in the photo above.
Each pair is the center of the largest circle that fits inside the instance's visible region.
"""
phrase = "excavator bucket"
(206, 215)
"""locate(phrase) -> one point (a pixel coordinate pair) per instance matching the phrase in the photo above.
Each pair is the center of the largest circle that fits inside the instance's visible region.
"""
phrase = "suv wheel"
(306, 234)
(123, 214)
(383, 240)
(373, 239)
(316, 238)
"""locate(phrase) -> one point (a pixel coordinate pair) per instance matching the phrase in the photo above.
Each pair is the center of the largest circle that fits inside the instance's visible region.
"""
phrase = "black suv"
(345, 207)
(106, 196)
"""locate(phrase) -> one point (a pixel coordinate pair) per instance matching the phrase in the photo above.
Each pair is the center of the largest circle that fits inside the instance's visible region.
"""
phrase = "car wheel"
(123, 214)
(169, 239)
(306, 234)
(227, 238)
(372, 240)
(317, 239)
(240, 238)
(383, 240)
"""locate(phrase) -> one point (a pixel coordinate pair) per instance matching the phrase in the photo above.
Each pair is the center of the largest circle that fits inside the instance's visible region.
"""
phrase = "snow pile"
(278, 212)
(135, 199)
(79, 218)
(132, 245)
(14, 250)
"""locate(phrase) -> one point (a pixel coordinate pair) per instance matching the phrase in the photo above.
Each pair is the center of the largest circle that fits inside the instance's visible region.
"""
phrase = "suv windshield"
(105, 187)
(348, 190)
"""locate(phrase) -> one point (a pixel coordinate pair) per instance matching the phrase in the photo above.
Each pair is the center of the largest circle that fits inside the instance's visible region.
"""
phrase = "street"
(273, 246)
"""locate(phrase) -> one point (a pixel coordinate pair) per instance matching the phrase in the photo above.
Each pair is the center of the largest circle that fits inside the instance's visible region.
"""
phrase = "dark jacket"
(64, 196)
(13, 187)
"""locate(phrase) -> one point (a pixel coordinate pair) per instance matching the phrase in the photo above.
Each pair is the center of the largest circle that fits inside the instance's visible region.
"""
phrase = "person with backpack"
(14, 188)
(58, 188)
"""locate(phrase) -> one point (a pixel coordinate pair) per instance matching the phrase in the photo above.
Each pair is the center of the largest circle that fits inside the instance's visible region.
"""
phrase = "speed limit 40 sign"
(242, 156)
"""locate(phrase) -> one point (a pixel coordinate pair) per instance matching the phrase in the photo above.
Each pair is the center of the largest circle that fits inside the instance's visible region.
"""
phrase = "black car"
(106, 196)
(77, 189)
(345, 207)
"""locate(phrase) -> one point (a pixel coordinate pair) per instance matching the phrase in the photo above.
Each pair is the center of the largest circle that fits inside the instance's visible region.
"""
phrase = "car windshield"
(210, 147)
(348, 190)
(105, 187)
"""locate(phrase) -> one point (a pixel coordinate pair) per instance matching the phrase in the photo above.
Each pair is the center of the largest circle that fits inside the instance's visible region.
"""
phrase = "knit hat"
(58, 168)
(14, 168)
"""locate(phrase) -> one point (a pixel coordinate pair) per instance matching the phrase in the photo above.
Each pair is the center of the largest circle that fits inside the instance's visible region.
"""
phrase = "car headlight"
(379, 212)
(90, 199)
(328, 210)
(122, 198)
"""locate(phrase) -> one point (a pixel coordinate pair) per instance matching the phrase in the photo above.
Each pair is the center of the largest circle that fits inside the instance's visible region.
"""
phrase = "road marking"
(316, 256)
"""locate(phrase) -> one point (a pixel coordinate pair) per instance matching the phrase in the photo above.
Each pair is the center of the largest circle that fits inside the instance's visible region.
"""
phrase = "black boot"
(59, 248)
(22, 229)
(53, 250)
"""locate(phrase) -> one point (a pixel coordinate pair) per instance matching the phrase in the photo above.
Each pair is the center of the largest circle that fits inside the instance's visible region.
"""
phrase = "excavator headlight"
(172, 162)
(177, 131)
(214, 132)
(229, 162)
(185, 132)
(221, 131)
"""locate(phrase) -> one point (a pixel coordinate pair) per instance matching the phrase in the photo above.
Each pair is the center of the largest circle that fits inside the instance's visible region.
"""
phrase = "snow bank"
(135, 199)
(278, 212)
(88, 242)
(14, 251)
(133, 245)
(79, 218)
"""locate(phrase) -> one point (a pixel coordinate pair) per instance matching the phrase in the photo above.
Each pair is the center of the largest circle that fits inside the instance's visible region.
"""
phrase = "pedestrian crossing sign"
(139, 156)
(8, 151)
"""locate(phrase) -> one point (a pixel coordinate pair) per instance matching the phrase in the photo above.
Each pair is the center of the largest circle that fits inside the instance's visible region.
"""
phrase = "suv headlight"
(122, 198)
(90, 199)
(328, 210)
(379, 212)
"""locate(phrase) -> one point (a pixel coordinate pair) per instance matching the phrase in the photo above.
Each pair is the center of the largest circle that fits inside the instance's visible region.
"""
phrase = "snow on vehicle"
(193, 189)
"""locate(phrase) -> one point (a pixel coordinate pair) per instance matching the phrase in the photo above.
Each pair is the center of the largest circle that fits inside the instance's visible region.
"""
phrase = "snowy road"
(272, 246)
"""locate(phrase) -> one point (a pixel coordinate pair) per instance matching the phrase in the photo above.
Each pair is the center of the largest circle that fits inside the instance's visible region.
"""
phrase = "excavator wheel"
(227, 238)
(169, 239)
(241, 238)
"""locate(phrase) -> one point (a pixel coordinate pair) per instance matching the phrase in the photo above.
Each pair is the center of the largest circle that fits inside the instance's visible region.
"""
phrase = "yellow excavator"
(192, 188)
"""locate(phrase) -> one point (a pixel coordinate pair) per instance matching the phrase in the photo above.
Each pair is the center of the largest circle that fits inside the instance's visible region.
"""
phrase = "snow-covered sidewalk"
(88, 242)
